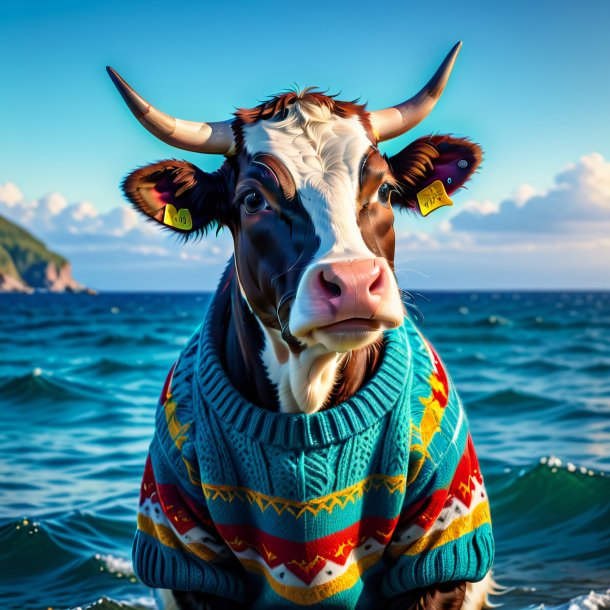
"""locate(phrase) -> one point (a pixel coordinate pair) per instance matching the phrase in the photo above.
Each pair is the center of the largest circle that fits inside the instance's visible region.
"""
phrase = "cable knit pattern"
(283, 467)
(319, 479)
(340, 509)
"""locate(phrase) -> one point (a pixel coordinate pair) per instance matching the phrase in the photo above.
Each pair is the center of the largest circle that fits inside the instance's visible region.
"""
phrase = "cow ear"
(432, 168)
(178, 195)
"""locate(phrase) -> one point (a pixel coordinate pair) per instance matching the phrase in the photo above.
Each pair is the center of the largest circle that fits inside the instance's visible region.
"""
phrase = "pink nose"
(352, 289)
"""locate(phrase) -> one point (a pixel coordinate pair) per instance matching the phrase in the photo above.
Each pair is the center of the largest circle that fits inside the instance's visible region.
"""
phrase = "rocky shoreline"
(28, 266)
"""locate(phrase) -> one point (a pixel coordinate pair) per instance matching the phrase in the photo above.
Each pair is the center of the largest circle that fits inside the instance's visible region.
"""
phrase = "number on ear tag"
(433, 197)
(179, 219)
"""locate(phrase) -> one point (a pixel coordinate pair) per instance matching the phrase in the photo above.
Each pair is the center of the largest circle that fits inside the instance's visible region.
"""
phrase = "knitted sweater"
(340, 509)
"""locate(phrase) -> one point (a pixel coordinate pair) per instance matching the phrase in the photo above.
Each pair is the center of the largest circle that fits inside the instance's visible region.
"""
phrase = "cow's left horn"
(214, 138)
(396, 120)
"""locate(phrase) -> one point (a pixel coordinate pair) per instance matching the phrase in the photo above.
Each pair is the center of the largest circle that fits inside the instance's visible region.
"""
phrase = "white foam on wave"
(592, 601)
(116, 565)
(135, 603)
(556, 464)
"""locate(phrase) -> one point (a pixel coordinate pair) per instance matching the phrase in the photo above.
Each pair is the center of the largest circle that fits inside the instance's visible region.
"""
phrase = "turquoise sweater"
(340, 509)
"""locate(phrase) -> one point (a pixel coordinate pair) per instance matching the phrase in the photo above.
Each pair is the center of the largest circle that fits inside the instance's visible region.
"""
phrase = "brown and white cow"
(309, 200)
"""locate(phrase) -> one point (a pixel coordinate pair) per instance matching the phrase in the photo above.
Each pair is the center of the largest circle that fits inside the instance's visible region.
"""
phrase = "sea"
(80, 376)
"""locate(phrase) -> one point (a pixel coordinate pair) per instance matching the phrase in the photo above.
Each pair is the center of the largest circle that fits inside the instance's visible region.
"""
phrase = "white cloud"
(481, 207)
(577, 204)
(118, 248)
(559, 238)
(10, 194)
(50, 205)
(524, 193)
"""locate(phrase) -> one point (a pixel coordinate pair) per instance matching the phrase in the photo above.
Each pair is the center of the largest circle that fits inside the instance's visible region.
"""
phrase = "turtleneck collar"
(372, 401)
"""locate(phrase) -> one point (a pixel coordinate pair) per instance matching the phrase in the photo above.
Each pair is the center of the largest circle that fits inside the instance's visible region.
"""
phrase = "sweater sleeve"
(444, 530)
(176, 545)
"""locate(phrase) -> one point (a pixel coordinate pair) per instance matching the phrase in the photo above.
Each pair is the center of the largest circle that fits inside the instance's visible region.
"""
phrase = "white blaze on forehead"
(324, 153)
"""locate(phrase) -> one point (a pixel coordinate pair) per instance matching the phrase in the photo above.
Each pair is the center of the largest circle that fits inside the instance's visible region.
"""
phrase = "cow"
(285, 468)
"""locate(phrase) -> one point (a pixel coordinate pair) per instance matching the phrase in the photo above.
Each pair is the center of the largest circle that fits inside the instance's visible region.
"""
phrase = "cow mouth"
(351, 326)
(346, 335)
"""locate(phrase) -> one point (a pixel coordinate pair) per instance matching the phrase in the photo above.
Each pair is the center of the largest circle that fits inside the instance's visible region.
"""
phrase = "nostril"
(330, 288)
(378, 283)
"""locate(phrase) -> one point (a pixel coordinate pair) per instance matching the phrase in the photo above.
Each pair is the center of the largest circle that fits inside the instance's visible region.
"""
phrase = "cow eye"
(384, 193)
(254, 202)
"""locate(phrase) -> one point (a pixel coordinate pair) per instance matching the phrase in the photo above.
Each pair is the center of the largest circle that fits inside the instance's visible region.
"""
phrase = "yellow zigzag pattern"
(456, 529)
(178, 432)
(309, 596)
(296, 508)
(429, 425)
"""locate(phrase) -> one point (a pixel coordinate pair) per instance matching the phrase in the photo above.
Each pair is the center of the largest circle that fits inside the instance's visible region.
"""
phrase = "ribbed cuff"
(468, 558)
(167, 568)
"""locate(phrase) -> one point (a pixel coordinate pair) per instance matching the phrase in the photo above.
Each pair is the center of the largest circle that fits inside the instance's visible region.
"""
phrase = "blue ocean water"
(79, 380)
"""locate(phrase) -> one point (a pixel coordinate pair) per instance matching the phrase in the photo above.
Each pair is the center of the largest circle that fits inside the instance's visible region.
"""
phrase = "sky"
(530, 85)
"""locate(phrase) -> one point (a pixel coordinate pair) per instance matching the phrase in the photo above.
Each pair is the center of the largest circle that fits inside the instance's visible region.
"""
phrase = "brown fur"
(416, 165)
(182, 184)
(280, 172)
(376, 221)
(277, 106)
(358, 368)
(444, 596)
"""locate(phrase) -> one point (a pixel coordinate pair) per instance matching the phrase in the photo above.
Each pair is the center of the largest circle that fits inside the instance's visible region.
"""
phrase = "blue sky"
(531, 85)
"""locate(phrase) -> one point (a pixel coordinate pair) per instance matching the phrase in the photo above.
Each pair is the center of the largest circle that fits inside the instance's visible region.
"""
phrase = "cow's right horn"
(216, 138)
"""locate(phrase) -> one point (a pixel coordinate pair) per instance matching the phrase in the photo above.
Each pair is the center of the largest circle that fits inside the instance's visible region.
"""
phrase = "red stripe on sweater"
(306, 559)
(425, 512)
(183, 512)
(441, 374)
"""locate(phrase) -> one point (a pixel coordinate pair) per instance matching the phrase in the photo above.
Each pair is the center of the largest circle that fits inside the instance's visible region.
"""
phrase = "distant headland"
(27, 265)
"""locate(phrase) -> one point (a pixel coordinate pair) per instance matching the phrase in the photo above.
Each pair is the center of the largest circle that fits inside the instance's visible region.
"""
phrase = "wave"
(85, 560)
(551, 520)
(118, 340)
(475, 337)
(492, 321)
(597, 367)
(586, 349)
(516, 400)
(554, 501)
(139, 603)
(474, 360)
(537, 323)
(55, 393)
(42, 323)
(539, 366)
(587, 324)
(110, 366)
(39, 385)
(77, 334)
(591, 601)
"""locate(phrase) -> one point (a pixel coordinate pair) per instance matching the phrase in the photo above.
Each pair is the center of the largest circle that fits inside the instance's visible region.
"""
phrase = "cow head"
(309, 200)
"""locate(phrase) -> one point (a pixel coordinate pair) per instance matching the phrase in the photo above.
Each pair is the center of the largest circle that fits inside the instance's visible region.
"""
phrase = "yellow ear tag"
(433, 197)
(179, 219)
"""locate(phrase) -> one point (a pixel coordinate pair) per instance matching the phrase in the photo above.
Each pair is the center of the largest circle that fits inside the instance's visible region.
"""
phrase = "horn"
(216, 138)
(396, 120)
